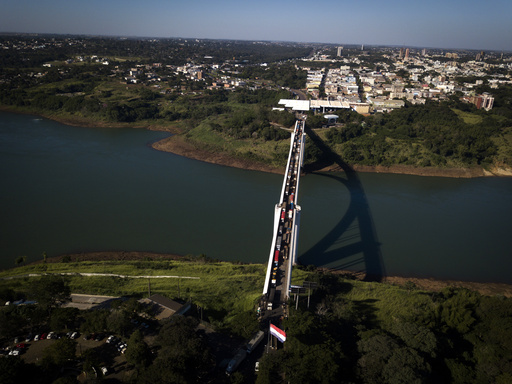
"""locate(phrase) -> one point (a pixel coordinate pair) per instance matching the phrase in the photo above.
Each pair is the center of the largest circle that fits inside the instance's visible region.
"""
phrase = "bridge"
(283, 249)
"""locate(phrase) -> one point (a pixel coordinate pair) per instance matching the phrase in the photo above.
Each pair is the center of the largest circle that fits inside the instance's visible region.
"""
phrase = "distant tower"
(407, 54)
(423, 52)
(401, 54)
(340, 51)
(362, 47)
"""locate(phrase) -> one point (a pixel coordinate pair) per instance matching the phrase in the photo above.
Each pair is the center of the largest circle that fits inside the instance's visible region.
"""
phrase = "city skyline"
(452, 24)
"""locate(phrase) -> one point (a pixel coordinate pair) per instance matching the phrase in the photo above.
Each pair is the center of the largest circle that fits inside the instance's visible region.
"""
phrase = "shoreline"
(177, 145)
(427, 284)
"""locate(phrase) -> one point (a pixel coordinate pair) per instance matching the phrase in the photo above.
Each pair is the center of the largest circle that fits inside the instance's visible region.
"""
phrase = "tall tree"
(51, 291)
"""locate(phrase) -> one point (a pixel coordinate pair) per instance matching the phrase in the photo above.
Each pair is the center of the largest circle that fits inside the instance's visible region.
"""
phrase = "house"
(163, 307)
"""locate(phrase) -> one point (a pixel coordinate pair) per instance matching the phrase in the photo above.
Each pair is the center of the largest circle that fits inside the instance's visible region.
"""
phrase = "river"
(71, 189)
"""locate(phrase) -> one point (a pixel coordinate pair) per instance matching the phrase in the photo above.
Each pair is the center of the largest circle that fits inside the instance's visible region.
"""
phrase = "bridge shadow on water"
(352, 243)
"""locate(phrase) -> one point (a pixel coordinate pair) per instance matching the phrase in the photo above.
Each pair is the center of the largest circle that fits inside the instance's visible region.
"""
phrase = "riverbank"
(177, 144)
(428, 284)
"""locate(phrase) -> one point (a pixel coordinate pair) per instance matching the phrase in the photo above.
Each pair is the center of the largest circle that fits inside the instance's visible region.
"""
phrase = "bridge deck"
(283, 250)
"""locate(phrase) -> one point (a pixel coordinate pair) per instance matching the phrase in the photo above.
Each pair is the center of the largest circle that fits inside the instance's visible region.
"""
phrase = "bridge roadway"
(283, 250)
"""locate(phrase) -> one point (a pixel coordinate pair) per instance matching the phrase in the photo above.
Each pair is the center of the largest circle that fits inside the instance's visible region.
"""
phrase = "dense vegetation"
(373, 333)
(352, 332)
(449, 134)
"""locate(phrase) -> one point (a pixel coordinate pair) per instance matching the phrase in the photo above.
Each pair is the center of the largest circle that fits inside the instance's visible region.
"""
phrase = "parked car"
(111, 339)
(144, 325)
(51, 335)
(74, 335)
(36, 337)
(44, 336)
(28, 338)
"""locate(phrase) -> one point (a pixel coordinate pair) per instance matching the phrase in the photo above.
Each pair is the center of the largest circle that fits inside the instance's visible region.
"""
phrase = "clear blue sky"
(472, 24)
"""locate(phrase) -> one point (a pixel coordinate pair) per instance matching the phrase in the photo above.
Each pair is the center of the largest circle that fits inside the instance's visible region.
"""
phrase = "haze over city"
(467, 24)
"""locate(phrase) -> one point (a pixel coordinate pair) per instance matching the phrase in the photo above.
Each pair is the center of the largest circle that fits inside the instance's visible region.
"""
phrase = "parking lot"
(108, 354)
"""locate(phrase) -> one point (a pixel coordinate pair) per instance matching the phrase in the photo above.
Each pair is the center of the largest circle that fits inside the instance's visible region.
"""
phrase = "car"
(104, 370)
(74, 335)
(257, 366)
(51, 335)
(14, 352)
(44, 336)
(28, 338)
(17, 340)
(36, 337)
(68, 335)
(21, 346)
(111, 339)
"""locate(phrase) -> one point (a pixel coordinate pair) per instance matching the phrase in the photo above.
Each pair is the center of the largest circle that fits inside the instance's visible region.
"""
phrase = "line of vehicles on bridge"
(288, 205)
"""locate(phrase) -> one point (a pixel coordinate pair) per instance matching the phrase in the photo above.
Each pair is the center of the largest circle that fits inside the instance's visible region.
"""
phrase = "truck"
(278, 242)
(271, 298)
(236, 360)
(251, 345)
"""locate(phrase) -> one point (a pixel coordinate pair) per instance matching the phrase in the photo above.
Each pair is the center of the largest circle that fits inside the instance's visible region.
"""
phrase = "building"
(340, 51)
(331, 119)
(162, 307)
(485, 101)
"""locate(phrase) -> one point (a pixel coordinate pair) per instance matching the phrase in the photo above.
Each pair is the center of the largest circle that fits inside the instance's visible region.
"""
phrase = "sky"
(468, 24)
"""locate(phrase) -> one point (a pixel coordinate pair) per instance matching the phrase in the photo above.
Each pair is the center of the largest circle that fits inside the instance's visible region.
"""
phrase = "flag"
(279, 333)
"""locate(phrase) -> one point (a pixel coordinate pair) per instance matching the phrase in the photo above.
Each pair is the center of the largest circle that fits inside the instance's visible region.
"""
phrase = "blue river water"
(70, 189)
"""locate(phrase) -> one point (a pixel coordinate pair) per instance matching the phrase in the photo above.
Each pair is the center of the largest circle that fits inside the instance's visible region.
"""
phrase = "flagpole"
(268, 338)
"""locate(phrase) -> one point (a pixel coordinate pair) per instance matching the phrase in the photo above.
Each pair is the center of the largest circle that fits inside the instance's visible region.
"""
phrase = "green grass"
(468, 117)
(265, 151)
(222, 288)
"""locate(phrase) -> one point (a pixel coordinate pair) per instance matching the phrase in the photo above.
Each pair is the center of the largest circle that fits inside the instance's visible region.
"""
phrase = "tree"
(63, 318)
(245, 324)
(184, 356)
(51, 291)
(118, 321)
(138, 353)
(60, 353)
(10, 321)
(13, 370)
(95, 320)
(20, 260)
